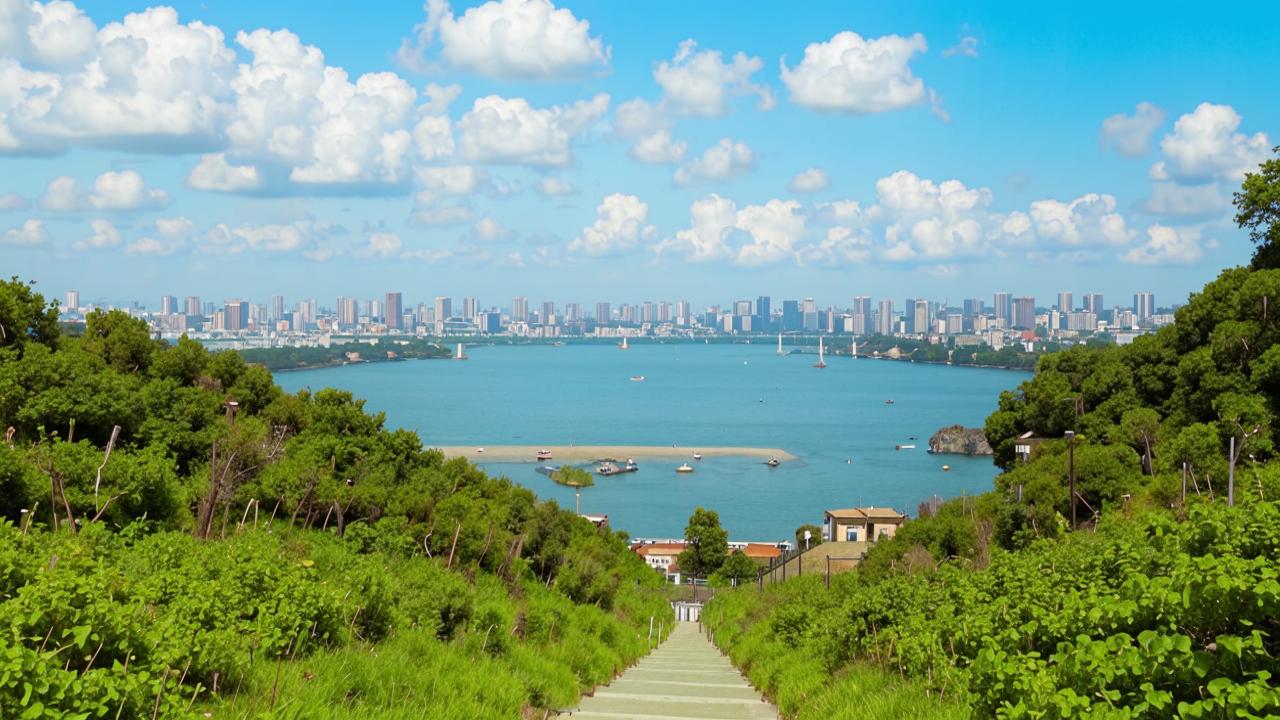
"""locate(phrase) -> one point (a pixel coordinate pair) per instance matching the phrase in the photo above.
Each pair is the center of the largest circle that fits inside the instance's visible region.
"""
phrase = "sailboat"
(853, 352)
(780, 352)
(821, 362)
(460, 355)
(623, 346)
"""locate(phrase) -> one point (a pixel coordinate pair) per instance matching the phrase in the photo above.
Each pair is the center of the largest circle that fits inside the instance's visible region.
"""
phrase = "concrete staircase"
(685, 678)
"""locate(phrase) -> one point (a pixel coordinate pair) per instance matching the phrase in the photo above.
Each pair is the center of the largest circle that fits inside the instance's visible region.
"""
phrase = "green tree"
(573, 477)
(706, 544)
(24, 317)
(815, 535)
(124, 342)
(738, 569)
(1258, 209)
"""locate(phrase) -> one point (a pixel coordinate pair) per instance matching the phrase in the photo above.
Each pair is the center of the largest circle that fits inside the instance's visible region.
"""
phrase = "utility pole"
(1071, 472)
(1231, 473)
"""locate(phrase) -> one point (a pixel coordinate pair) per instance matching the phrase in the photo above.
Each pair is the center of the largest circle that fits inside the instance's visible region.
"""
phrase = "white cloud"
(725, 160)
(698, 83)
(638, 117)
(439, 98)
(752, 236)
(839, 245)
(1204, 145)
(47, 35)
(125, 190)
(489, 230)
(171, 235)
(13, 201)
(851, 74)
(441, 215)
(1131, 135)
(553, 186)
(214, 173)
(811, 180)
(619, 227)
(659, 149)
(1170, 198)
(967, 47)
(104, 235)
(451, 180)
(507, 39)
(510, 130)
(383, 245)
(1167, 245)
(31, 232)
(62, 194)
(433, 137)
(1089, 220)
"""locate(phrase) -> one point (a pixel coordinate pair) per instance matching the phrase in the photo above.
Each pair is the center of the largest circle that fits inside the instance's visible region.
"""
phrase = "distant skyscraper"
(604, 315)
(885, 318)
(469, 308)
(664, 312)
(743, 308)
(1144, 306)
(548, 316)
(168, 305)
(920, 317)
(348, 311)
(862, 308)
(1024, 313)
(1064, 302)
(572, 312)
(1093, 303)
(519, 309)
(972, 307)
(193, 305)
(394, 311)
(73, 299)
(683, 315)
(792, 318)
(444, 309)
(764, 313)
(648, 314)
(809, 309)
(277, 307)
(236, 315)
(627, 313)
(1004, 307)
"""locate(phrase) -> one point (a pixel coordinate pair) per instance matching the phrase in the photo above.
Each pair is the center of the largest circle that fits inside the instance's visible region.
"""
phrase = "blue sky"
(626, 151)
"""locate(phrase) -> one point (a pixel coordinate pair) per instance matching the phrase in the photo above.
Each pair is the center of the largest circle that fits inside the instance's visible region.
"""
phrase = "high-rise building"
(1144, 306)
(809, 310)
(1093, 303)
(664, 312)
(348, 311)
(444, 309)
(909, 314)
(168, 304)
(1024, 313)
(648, 314)
(519, 309)
(973, 307)
(1004, 307)
(1064, 302)
(572, 312)
(885, 318)
(73, 300)
(469, 308)
(792, 318)
(920, 317)
(627, 313)
(277, 307)
(683, 314)
(193, 305)
(375, 310)
(236, 315)
(862, 309)
(393, 311)
(743, 308)
(955, 323)
(604, 315)
(548, 316)
(764, 313)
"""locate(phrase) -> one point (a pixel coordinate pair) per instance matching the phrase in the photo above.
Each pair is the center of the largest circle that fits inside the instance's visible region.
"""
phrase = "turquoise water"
(834, 420)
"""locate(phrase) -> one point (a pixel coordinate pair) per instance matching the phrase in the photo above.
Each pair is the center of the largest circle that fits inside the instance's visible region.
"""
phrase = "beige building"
(867, 524)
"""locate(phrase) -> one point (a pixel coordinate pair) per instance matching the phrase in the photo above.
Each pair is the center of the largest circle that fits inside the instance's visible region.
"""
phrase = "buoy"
(946, 468)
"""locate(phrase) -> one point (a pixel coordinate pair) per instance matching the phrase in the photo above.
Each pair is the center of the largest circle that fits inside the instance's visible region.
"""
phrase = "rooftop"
(867, 513)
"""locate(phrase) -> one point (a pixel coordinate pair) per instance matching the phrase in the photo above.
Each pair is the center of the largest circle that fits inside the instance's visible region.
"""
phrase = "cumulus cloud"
(725, 160)
(1204, 145)
(1089, 220)
(852, 74)
(1171, 198)
(659, 149)
(31, 232)
(966, 47)
(511, 131)
(1167, 245)
(451, 180)
(13, 201)
(214, 173)
(306, 237)
(553, 186)
(811, 180)
(489, 230)
(638, 117)
(441, 214)
(104, 235)
(382, 245)
(752, 236)
(698, 82)
(1131, 134)
(506, 39)
(125, 190)
(170, 236)
(619, 227)
(62, 194)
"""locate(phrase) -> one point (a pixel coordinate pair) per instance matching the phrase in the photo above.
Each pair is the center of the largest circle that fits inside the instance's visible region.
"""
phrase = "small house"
(867, 524)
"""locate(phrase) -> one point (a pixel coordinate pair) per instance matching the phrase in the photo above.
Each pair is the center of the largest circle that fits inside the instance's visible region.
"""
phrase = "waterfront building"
(764, 312)
(393, 310)
(469, 308)
(683, 314)
(193, 305)
(810, 313)
(885, 318)
(277, 307)
(1024, 313)
(792, 318)
(235, 316)
(548, 315)
(572, 313)
(867, 524)
(1064, 302)
(1004, 307)
(519, 309)
(664, 312)
(604, 315)
(647, 312)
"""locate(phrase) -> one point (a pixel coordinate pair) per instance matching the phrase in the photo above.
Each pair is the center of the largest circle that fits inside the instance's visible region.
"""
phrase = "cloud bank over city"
(517, 133)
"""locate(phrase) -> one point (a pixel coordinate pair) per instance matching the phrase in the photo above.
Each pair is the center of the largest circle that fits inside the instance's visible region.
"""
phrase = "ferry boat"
(685, 468)
(773, 462)
(697, 455)
(543, 455)
(637, 378)
(821, 362)
(613, 468)
(904, 447)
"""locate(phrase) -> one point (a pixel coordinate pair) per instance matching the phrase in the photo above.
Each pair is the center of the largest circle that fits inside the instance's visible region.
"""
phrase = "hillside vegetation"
(1163, 601)
(179, 537)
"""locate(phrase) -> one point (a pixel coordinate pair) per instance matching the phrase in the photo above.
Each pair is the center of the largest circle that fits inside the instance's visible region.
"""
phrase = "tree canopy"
(1258, 210)
(706, 544)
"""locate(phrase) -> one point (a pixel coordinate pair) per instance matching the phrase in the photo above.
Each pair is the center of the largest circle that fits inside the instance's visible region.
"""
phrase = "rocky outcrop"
(960, 440)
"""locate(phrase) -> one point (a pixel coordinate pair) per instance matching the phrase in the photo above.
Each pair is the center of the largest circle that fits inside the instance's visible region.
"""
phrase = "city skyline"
(637, 149)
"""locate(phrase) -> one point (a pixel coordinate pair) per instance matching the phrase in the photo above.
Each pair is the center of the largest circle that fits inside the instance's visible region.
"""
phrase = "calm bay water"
(834, 420)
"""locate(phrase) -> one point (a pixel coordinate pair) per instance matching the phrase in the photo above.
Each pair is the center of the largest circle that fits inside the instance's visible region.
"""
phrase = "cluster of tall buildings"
(864, 316)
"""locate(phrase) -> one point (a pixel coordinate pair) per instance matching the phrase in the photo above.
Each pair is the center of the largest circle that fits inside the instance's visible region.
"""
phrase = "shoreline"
(591, 453)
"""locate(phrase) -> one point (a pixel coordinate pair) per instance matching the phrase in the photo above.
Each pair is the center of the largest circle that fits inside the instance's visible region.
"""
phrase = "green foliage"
(706, 544)
(1258, 209)
(24, 317)
(738, 569)
(573, 477)
(293, 358)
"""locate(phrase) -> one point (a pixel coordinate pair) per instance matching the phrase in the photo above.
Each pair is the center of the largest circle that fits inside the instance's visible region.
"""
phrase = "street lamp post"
(1071, 472)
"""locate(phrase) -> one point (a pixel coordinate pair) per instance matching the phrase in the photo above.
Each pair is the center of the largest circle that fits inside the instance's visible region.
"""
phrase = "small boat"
(697, 455)
(637, 378)
(623, 346)
(888, 402)
(479, 450)
(904, 447)
(543, 455)
(607, 469)
(685, 468)
(946, 468)
(780, 350)
(459, 354)
(773, 462)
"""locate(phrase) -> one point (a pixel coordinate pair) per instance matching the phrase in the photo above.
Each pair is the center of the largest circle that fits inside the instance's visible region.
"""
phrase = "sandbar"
(588, 453)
